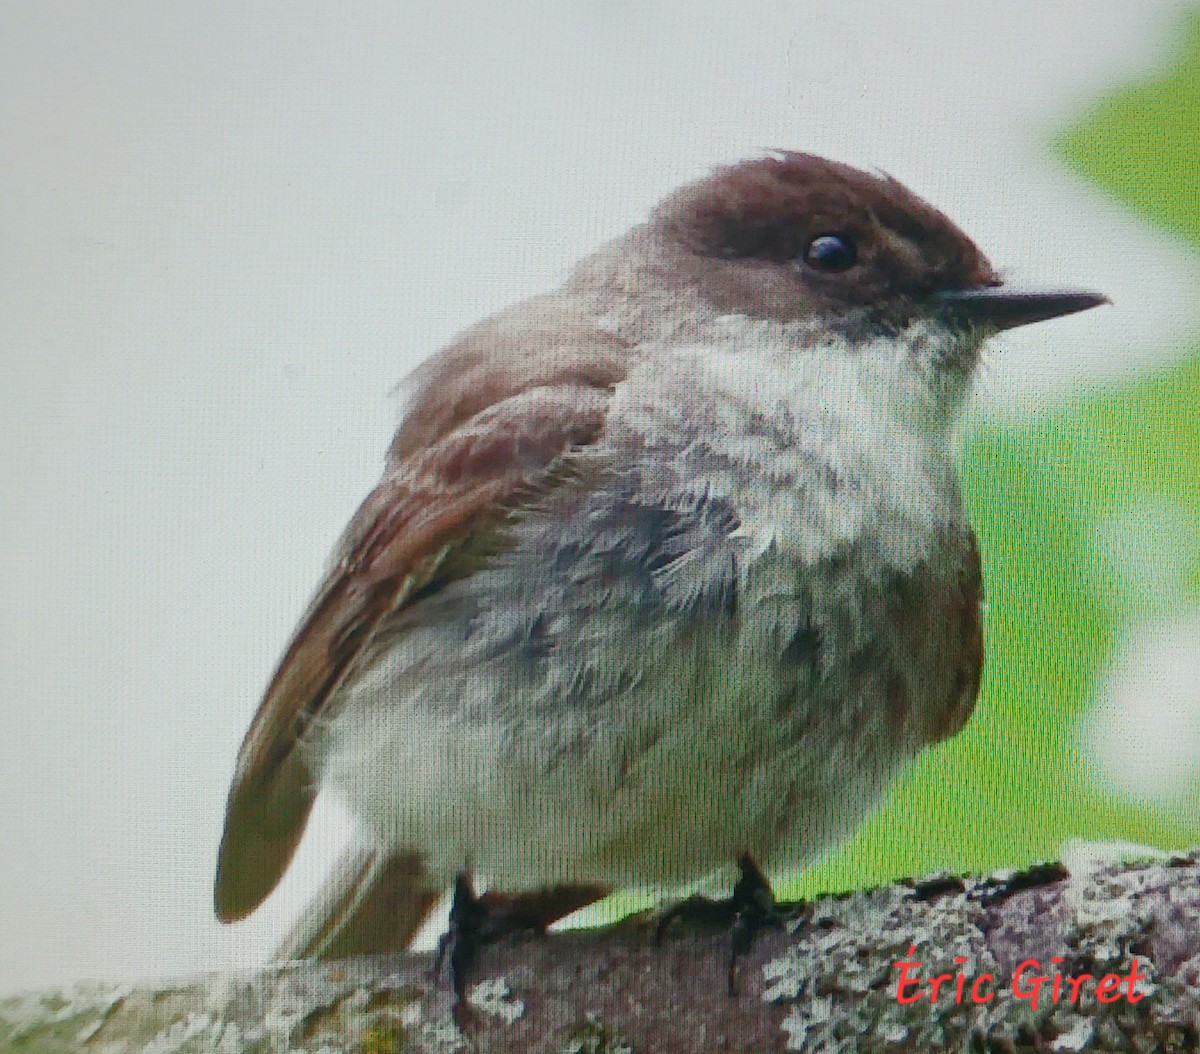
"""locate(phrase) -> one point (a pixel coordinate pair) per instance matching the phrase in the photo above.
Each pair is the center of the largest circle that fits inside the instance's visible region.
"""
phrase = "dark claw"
(703, 911)
(461, 942)
(474, 922)
(755, 909)
(751, 909)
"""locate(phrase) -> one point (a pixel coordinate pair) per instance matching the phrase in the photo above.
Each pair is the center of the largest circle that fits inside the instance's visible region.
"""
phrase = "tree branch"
(827, 982)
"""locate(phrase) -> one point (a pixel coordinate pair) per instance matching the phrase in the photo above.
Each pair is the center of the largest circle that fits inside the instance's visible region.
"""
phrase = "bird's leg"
(462, 940)
(476, 921)
(755, 909)
(750, 909)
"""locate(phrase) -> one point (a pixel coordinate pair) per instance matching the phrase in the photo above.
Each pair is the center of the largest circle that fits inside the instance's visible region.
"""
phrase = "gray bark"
(827, 981)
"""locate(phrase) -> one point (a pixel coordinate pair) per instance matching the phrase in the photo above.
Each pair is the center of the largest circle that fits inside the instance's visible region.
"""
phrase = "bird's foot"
(756, 910)
(751, 909)
(460, 944)
(477, 921)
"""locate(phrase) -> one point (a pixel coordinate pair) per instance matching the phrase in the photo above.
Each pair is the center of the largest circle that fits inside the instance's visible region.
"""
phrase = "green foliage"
(1141, 144)
(1017, 783)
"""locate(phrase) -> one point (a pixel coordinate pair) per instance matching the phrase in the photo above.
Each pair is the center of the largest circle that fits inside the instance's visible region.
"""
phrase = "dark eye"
(831, 252)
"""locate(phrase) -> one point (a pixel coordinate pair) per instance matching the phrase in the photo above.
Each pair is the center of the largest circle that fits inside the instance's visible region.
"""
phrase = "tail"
(373, 902)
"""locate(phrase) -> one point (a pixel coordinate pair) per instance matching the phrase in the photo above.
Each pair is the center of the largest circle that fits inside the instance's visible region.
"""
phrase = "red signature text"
(1029, 981)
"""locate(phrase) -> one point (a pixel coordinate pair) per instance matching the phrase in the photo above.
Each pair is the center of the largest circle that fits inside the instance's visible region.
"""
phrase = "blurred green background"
(1089, 524)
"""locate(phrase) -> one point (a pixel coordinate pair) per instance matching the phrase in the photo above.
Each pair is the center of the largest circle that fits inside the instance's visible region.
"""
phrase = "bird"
(668, 571)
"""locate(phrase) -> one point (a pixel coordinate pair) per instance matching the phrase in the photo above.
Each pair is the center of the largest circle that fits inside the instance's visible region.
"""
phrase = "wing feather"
(434, 513)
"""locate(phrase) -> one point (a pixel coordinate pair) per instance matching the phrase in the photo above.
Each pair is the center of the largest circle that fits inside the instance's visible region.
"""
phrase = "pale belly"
(625, 755)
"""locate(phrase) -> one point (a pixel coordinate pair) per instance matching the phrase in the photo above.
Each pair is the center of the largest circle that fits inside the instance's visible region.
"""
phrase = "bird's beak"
(999, 308)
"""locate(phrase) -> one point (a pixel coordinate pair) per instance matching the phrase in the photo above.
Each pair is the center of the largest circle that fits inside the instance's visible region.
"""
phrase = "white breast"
(834, 442)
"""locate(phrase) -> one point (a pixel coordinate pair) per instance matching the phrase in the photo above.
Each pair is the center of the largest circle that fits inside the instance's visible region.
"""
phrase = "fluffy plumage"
(666, 566)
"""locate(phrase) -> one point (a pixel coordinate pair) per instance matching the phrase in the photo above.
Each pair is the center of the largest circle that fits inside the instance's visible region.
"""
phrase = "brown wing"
(938, 619)
(431, 516)
(961, 639)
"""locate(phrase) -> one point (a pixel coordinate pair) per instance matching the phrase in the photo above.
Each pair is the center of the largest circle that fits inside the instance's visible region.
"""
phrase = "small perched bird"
(667, 569)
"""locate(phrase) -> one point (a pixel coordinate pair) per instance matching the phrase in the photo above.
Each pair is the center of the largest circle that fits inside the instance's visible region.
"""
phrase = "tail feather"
(373, 903)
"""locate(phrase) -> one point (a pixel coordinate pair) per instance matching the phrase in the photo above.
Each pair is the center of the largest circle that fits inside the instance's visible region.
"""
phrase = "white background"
(227, 230)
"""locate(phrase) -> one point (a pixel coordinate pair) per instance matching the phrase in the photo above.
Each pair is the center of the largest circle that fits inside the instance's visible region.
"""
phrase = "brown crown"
(768, 210)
